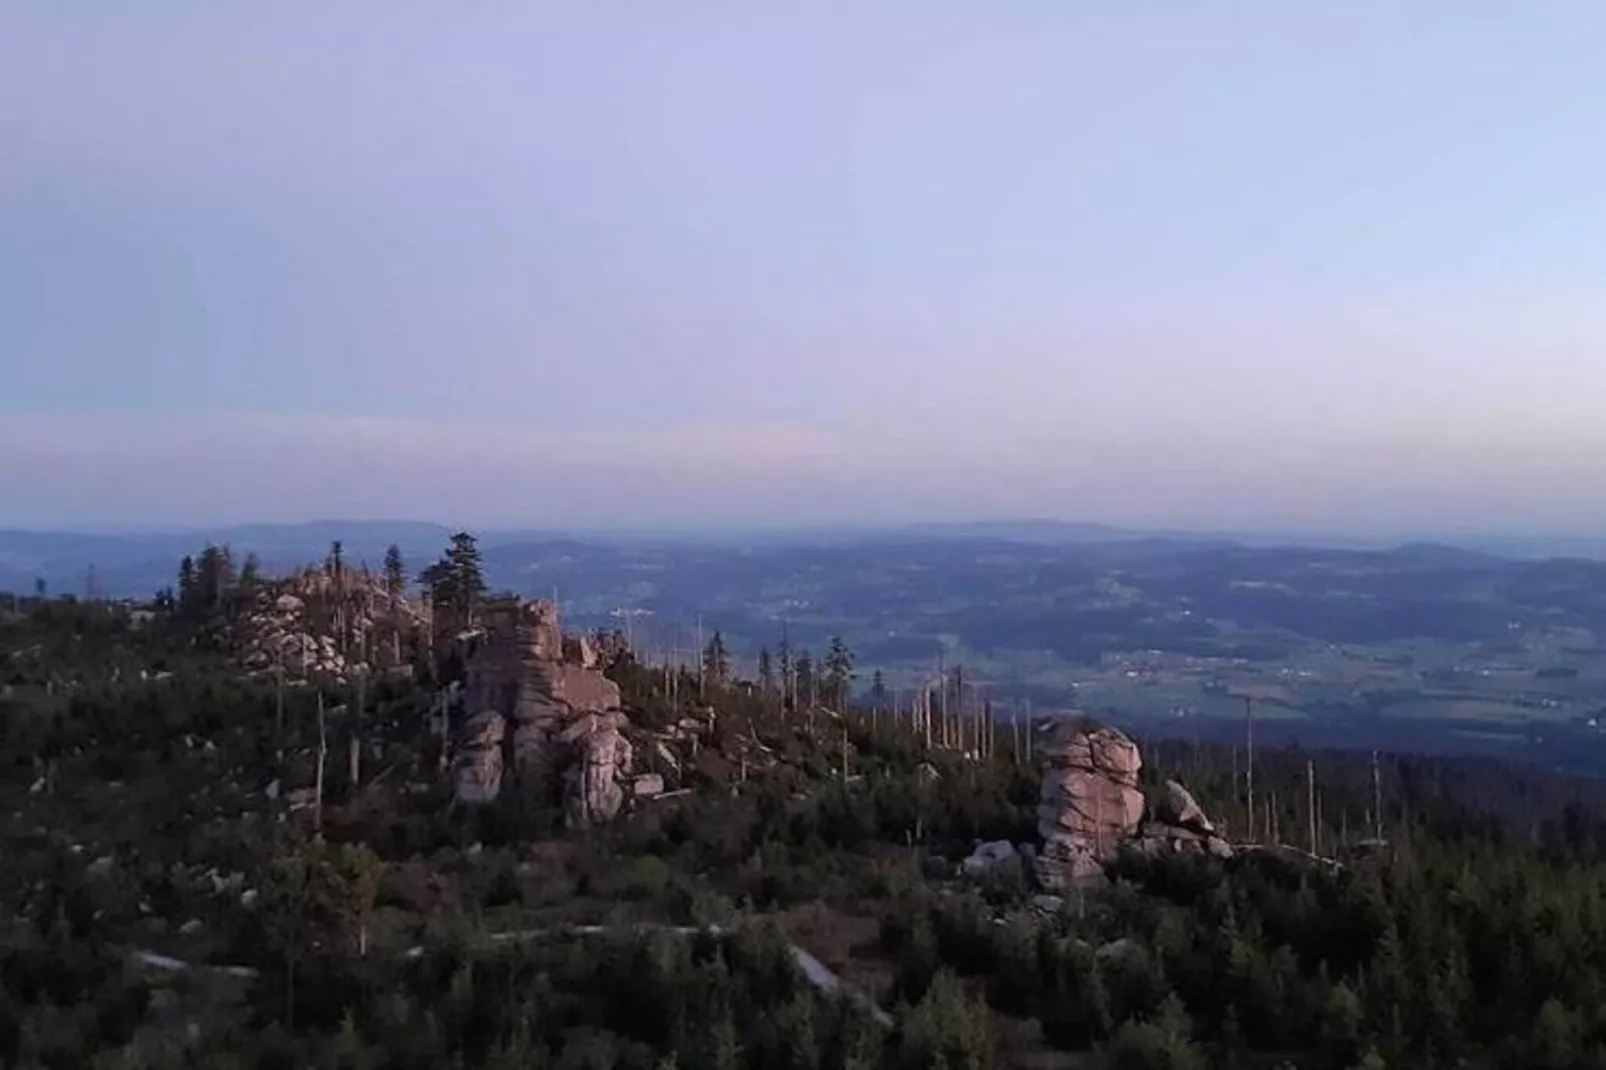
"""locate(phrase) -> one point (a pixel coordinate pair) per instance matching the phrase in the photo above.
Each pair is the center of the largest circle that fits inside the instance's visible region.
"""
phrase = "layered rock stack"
(594, 788)
(1091, 809)
(1090, 804)
(560, 714)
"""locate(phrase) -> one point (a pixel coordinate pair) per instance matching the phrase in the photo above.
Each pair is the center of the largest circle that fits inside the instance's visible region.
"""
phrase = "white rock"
(990, 856)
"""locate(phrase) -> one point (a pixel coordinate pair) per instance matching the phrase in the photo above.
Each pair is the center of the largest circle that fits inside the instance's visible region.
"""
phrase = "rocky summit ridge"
(331, 624)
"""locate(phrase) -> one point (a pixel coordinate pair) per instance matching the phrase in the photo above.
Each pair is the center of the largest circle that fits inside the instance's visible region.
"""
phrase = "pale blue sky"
(1235, 264)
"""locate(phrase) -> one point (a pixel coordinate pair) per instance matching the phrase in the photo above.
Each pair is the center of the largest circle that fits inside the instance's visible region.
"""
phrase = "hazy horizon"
(1507, 541)
(1239, 267)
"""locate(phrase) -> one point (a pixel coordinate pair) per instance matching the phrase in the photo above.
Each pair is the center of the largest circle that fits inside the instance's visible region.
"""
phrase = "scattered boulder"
(1047, 904)
(301, 798)
(1181, 809)
(1180, 827)
(1124, 949)
(988, 857)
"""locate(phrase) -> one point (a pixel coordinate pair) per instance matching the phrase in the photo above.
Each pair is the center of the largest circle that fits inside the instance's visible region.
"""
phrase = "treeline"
(1461, 924)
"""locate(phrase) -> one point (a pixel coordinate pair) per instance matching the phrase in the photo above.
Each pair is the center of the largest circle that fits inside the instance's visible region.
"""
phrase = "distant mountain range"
(136, 563)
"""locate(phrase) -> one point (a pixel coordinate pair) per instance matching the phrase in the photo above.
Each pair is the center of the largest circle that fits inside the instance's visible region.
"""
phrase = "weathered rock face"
(1091, 809)
(579, 650)
(596, 784)
(477, 772)
(1180, 808)
(1089, 805)
(564, 714)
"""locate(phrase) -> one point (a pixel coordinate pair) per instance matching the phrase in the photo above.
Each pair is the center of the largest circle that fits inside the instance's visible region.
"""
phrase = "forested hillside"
(213, 865)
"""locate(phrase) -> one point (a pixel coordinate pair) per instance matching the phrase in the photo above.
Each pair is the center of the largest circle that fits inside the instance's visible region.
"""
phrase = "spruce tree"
(456, 582)
(716, 662)
(878, 690)
(215, 577)
(838, 672)
(766, 672)
(251, 573)
(803, 667)
(395, 571)
(788, 669)
(189, 587)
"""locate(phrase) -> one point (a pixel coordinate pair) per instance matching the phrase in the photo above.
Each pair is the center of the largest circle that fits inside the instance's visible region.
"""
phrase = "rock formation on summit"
(560, 714)
(1091, 808)
(1090, 803)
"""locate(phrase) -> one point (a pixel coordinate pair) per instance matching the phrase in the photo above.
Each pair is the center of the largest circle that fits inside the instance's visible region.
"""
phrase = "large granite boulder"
(1090, 803)
(1180, 827)
(598, 777)
(562, 712)
(1179, 808)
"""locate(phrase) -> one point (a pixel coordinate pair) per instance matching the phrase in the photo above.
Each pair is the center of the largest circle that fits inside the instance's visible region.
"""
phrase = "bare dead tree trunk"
(358, 714)
(1377, 801)
(1249, 762)
(323, 755)
(844, 752)
(445, 733)
(1310, 801)
(278, 708)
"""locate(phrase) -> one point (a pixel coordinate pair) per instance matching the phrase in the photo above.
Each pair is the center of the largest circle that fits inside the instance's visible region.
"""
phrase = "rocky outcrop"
(1158, 837)
(564, 715)
(1089, 805)
(329, 624)
(1091, 809)
(597, 780)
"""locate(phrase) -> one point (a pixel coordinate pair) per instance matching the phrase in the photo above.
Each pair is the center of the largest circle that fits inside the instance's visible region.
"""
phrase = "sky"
(1235, 265)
